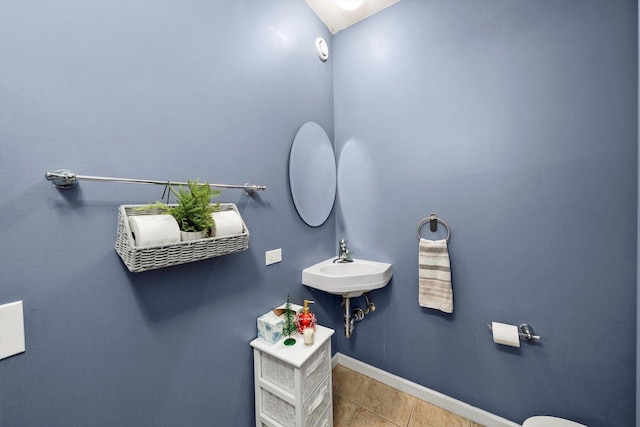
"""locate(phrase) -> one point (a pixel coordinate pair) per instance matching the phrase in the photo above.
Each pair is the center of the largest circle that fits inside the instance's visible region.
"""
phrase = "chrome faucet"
(343, 253)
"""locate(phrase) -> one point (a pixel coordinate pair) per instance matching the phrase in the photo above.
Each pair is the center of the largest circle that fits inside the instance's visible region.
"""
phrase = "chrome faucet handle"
(343, 252)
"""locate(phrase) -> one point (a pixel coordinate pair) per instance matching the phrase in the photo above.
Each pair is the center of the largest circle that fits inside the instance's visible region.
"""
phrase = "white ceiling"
(336, 18)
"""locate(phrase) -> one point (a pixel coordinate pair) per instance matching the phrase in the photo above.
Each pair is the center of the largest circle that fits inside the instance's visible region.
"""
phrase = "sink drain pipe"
(356, 315)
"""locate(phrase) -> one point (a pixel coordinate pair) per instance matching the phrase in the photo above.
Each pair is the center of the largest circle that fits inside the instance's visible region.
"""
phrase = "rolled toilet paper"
(153, 230)
(505, 334)
(228, 223)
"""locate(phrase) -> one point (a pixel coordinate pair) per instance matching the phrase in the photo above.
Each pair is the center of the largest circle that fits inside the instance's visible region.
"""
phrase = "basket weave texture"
(143, 258)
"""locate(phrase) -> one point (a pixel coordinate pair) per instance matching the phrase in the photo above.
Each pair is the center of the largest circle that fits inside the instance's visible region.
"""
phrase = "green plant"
(194, 208)
(289, 326)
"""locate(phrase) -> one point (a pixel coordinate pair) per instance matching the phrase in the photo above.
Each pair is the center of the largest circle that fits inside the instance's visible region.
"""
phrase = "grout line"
(413, 408)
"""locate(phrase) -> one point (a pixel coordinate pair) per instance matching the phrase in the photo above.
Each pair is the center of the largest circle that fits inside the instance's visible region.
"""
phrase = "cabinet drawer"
(316, 409)
(312, 373)
(315, 370)
(278, 409)
(314, 412)
(326, 419)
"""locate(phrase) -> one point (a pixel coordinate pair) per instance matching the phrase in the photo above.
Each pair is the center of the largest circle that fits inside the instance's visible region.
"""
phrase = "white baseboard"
(467, 411)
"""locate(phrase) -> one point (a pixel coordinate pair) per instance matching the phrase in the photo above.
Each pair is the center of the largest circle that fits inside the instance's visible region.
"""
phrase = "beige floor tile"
(427, 415)
(388, 402)
(360, 401)
(349, 384)
(365, 418)
(343, 410)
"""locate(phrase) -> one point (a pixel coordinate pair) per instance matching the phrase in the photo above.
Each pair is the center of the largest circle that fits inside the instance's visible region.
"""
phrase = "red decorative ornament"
(306, 319)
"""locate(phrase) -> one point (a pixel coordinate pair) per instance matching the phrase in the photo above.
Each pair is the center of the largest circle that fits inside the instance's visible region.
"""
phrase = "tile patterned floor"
(360, 401)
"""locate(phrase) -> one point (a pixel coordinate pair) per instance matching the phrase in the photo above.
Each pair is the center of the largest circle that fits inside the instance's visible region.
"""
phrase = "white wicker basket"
(143, 258)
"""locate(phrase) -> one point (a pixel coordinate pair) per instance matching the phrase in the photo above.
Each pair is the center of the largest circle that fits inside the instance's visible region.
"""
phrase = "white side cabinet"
(293, 383)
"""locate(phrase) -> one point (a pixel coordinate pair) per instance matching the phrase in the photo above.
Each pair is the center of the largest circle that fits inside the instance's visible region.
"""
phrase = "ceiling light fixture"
(349, 4)
(340, 14)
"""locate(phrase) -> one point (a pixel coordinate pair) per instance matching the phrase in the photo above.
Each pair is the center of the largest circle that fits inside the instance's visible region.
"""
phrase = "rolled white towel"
(228, 223)
(154, 230)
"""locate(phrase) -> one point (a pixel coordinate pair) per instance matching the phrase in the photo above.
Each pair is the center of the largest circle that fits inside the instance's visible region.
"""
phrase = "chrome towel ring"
(433, 221)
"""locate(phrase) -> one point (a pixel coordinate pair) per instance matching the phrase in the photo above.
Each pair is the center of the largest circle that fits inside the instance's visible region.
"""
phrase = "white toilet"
(543, 421)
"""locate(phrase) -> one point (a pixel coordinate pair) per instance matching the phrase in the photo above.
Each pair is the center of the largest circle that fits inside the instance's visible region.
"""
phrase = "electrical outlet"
(271, 257)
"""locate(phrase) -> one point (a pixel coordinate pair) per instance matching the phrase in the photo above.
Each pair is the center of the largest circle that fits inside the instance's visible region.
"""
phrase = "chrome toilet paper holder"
(526, 331)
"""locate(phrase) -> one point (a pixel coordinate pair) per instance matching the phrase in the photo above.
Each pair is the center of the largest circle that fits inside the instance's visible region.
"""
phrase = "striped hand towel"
(434, 275)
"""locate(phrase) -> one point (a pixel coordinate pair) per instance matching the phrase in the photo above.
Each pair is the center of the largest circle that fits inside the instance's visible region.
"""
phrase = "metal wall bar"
(64, 178)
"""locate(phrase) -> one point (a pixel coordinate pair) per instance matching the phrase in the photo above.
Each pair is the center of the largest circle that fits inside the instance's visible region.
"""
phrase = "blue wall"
(516, 122)
(157, 90)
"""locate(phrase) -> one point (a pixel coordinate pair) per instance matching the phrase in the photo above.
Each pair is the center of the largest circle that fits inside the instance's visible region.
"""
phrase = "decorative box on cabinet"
(293, 383)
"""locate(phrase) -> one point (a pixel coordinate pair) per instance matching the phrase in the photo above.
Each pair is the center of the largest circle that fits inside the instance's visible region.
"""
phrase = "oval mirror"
(312, 174)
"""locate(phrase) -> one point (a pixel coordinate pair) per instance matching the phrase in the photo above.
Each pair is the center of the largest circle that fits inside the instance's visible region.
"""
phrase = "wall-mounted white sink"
(349, 279)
